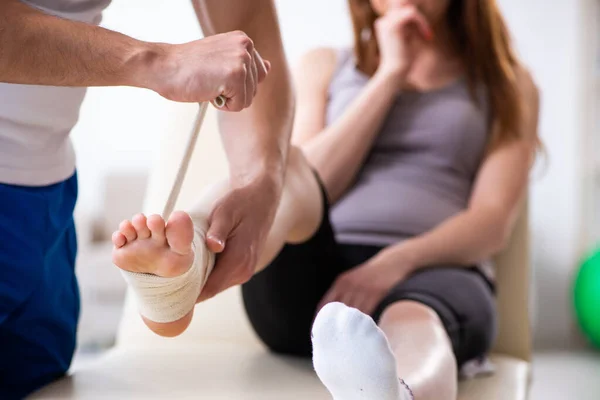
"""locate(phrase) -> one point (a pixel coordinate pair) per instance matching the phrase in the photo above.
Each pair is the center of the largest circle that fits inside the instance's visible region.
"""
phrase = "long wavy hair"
(483, 43)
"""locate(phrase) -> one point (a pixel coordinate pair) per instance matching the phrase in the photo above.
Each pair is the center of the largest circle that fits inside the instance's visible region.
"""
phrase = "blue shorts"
(39, 297)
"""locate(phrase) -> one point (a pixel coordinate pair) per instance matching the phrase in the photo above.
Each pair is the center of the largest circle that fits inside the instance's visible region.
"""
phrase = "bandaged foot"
(165, 264)
(353, 358)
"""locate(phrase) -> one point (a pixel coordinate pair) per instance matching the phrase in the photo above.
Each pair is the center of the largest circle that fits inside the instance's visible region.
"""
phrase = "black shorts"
(281, 300)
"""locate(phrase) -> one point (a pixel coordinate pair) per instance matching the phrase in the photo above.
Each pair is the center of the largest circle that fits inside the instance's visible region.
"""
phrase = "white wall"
(121, 128)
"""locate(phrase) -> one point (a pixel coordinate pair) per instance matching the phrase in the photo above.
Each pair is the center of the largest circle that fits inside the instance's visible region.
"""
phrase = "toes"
(128, 230)
(180, 232)
(119, 240)
(141, 226)
(157, 227)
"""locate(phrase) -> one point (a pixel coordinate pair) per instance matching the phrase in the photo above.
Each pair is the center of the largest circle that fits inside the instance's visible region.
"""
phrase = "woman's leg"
(422, 349)
(427, 329)
(408, 358)
(300, 211)
(151, 246)
(281, 301)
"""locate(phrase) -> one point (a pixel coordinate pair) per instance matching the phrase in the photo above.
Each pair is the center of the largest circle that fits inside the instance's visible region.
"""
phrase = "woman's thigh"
(464, 301)
(281, 301)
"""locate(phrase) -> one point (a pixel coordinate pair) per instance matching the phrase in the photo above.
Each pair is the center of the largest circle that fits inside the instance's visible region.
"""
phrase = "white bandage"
(170, 299)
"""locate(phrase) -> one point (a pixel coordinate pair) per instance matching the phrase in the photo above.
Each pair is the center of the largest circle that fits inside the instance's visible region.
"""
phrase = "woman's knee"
(409, 311)
(283, 329)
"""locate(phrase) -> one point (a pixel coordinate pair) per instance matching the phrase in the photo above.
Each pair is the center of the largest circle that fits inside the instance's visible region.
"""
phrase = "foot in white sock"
(353, 358)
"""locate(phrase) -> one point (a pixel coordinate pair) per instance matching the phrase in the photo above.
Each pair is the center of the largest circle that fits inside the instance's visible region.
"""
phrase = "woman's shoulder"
(526, 84)
(320, 55)
(321, 64)
(530, 101)
(326, 56)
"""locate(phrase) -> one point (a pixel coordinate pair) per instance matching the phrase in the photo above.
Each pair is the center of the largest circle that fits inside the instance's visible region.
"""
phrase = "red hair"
(484, 46)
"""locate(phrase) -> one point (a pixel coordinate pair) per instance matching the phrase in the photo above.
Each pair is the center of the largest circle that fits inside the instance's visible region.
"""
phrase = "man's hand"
(225, 64)
(256, 143)
(238, 228)
(41, 49)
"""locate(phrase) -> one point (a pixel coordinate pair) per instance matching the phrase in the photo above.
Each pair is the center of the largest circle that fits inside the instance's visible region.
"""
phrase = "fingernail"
(217, 240)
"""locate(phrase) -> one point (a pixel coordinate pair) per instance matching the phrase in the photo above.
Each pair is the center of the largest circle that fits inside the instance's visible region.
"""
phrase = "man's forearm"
(256, 140)
(36, 48)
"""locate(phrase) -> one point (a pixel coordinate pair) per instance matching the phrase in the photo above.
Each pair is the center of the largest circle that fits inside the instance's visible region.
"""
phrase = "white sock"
(353, 358)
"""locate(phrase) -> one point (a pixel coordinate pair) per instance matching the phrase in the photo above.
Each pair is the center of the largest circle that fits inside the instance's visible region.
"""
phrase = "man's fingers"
(249, 84)
(226, 273)
(263, 67)
(236, 95)
(237, 89)
(216, 282)
(218, 232)
(254, 73)
(215, 245)
(250, 73)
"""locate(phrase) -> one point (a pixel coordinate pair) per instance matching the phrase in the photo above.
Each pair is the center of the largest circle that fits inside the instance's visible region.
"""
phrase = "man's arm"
(256, 142)
(36, 48)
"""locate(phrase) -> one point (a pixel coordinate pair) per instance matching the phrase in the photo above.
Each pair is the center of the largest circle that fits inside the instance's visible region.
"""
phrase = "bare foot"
(148, 245)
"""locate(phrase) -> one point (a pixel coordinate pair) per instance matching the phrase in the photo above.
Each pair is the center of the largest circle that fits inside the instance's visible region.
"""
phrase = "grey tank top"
(422, 165)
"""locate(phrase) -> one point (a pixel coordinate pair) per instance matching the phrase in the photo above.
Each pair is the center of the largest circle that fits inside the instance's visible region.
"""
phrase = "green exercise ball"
(586, 296)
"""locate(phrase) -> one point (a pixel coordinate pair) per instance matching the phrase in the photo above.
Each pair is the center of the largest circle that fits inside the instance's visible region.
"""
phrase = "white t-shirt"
(35, 121)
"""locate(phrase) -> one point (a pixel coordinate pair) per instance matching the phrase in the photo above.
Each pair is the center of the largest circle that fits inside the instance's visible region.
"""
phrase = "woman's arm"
(484, 228)
(338, 151)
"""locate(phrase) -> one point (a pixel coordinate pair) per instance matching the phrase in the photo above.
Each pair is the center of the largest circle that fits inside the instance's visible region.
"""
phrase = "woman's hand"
(364, 286)
(399, 33)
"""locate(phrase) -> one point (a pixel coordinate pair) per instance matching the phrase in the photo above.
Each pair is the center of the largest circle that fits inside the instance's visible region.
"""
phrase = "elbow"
(495, 242)
(500, 240)
(500, 236)
(498, 229)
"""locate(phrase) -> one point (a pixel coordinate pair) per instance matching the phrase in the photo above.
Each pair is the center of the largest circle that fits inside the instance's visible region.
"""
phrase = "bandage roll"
(166, 300)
